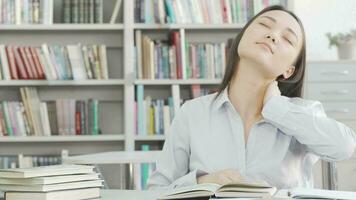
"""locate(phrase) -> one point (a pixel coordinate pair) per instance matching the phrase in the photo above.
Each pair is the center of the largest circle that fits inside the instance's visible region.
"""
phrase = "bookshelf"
(110, 92)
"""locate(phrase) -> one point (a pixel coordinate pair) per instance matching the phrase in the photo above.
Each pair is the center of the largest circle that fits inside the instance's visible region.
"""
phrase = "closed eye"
(288, 41)
(263, 25)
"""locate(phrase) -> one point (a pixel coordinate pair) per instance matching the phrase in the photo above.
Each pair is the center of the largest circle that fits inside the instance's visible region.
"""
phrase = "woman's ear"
(289, 72)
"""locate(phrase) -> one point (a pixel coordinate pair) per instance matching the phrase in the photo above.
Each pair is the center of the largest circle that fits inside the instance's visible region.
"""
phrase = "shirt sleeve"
(307, 122)
(172, 168)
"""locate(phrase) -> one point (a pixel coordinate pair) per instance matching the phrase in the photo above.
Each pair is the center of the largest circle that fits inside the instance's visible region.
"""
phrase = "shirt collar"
(222, 99)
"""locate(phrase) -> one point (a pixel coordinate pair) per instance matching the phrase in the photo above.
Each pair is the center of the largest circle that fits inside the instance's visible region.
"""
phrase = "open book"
(306, 193)
(232, 190)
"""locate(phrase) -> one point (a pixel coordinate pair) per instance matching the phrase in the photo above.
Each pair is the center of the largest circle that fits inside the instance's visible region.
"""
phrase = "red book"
(78, 118)
(176, 43)
(19, 64)
(224, 10)
(12, 63)
(25, 61)
(38, 65)
(31, 62)
(77, 123)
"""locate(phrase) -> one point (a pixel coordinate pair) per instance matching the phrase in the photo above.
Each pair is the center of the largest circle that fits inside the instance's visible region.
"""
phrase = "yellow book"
(151, 121)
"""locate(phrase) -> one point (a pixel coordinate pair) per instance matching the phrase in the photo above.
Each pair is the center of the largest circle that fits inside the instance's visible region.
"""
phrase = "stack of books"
(70, 182)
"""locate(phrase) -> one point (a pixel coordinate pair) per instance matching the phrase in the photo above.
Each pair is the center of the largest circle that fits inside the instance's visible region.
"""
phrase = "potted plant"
(345, 43)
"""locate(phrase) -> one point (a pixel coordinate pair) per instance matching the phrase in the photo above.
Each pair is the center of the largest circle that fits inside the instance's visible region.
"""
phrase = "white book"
(182, 45)
(18, 11)
(47, 12)
(52, 187)
(4, 63)
(86, 193)
(48, 61)
(103, 62)
(53, 170)
(137, 176)
(20, 119)
(45, 120)
(161, 11)
(77, 62)
(115, 11)
(306, 193)
(49, 179)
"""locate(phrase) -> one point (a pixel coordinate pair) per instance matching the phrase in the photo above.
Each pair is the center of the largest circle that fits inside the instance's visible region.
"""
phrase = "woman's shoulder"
(202, 103)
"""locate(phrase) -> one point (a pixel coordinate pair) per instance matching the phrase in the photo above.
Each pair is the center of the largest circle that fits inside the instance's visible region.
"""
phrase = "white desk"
(139, 195)
(129, 195)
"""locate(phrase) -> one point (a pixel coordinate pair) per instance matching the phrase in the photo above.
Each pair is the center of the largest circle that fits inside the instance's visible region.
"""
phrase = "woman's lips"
(266, 46)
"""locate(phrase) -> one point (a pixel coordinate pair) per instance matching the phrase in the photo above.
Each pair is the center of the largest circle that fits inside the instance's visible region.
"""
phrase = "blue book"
(145, 168)
(165, 61)
(171, 108)
(140, 110)
(170, 13)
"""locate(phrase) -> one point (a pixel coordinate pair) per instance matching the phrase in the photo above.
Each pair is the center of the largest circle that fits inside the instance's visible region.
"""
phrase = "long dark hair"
(291, 87)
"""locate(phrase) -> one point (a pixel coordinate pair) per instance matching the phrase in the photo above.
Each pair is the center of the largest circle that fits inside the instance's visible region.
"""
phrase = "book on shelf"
(82, 11)
(115, 12)
(22, 12)
(53, 62)
(163, 59)
(152, 116)
(231, 190)
(21, 161)
(50, 182)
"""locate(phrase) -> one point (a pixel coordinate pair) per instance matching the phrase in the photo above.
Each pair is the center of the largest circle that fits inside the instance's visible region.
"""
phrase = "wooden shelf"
(188, 26)
(63, 27)
(74, 138)
(61, 82)
(178, 82)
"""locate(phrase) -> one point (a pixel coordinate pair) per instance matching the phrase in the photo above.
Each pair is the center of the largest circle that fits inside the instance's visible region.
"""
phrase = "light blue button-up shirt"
(207, 135)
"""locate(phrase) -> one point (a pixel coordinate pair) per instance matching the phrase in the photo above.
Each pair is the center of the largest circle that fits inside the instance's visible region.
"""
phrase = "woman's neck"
(247, 90)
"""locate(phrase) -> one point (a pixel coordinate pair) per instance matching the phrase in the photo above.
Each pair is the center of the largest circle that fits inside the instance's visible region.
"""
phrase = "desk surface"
(139, 195)
(129, 195)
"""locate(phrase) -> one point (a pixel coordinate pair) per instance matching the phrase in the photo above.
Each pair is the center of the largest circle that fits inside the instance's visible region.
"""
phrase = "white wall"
(321, 16)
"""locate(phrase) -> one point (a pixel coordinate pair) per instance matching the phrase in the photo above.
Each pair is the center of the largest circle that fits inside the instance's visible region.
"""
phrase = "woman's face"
(273, 40)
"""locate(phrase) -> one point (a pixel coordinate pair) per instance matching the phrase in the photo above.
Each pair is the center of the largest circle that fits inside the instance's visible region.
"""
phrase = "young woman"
(256, 128)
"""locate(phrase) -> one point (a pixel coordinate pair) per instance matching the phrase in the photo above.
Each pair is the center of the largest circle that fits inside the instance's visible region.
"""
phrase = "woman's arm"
(172, 168)
(307, 122)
